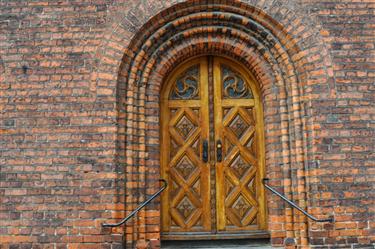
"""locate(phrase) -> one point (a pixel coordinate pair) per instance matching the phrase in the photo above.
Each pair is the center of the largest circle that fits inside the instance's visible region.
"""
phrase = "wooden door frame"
(259, 129)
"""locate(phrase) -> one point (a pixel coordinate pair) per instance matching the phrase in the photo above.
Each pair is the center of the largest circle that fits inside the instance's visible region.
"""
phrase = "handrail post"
(135, 211)
(265, 180)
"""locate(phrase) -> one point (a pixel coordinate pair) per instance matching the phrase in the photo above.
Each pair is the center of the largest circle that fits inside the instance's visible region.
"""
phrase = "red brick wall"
(79, 113)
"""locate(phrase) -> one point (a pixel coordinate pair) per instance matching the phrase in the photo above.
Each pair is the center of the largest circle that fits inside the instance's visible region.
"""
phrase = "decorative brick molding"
(285, 68)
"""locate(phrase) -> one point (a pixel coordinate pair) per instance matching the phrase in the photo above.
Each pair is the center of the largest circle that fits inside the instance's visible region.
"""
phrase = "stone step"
(218, 244)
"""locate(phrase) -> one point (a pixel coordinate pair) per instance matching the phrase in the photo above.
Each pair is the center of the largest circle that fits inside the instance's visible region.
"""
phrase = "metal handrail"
(139, 207)
(265, 180)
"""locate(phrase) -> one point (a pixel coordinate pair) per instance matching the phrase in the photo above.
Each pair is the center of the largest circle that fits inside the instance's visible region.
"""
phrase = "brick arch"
(250, 36)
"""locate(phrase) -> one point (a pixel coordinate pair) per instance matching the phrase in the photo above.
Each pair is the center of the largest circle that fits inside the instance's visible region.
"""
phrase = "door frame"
(179, 68)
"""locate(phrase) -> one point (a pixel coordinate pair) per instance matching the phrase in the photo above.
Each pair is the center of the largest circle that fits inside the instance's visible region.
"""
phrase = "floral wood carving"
(234, 87)
(186, 85)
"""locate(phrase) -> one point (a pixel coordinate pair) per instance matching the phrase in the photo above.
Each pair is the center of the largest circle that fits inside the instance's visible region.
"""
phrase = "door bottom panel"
(216, 244)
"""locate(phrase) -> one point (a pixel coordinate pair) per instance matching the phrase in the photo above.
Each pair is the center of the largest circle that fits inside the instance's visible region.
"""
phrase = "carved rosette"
(186, 85)
(234, 86)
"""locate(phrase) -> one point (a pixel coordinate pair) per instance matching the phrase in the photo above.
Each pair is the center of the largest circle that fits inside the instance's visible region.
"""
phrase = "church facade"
(100, 99)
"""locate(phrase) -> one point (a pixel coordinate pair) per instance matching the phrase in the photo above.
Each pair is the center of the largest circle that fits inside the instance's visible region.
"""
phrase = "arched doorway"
(260, 36)
(212, 152)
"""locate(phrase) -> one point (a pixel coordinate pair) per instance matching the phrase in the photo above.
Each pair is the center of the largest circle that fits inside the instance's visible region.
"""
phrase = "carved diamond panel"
(185, 127)
(185, 208)
(241, 207)
(185, 167)
(238, 126)
(239, 166)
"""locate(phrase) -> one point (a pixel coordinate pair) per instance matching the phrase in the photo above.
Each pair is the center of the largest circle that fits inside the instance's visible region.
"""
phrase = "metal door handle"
(219, 151)
(205, 151)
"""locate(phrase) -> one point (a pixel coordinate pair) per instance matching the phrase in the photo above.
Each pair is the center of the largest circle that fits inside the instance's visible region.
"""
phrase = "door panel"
(239, 157)
(240, 197)
(185, 205)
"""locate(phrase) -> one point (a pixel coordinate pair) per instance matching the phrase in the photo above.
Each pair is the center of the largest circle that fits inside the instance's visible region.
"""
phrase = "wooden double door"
(212, 152)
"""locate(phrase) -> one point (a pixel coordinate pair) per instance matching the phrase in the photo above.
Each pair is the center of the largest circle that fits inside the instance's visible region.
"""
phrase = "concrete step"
(218, 244)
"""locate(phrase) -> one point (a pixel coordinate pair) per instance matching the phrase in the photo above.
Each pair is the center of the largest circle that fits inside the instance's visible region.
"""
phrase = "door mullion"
(212, 143)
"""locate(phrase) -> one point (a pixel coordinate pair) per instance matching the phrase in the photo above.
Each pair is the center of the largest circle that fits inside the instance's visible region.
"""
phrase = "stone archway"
(273, 55)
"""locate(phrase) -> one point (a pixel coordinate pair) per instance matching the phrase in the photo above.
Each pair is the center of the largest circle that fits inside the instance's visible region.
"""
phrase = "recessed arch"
(244, 33)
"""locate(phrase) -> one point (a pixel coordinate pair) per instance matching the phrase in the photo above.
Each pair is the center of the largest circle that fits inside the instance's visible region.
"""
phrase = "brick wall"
(345, 141)
(79, 124)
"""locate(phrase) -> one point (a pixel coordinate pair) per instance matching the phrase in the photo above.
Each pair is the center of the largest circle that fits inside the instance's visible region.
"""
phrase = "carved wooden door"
(239, 158)
(186, 202)
(211, 152)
